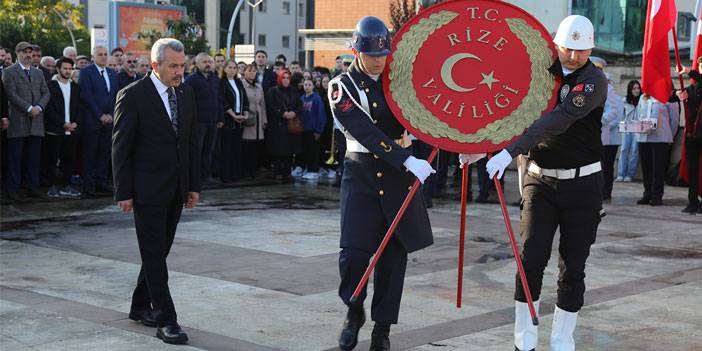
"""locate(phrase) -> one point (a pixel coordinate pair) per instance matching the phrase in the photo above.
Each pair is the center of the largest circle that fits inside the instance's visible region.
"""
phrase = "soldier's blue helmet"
(371, 37)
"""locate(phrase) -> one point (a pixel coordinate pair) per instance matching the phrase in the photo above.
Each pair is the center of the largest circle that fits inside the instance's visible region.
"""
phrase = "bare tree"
(401, 11)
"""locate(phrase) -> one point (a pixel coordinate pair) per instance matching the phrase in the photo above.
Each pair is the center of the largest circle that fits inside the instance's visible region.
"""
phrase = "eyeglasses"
(131, 61)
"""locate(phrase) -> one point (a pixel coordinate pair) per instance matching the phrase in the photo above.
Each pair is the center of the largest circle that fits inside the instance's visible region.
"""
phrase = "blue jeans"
(629, 157)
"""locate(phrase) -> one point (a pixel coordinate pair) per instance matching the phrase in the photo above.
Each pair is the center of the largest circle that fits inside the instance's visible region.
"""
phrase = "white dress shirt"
(66, 91)
(162, 91)
(237, 107)
(105, 76)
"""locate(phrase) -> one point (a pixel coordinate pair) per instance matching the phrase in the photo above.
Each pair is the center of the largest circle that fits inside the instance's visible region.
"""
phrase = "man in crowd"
(27, 96)
(127, 75)
(98, 87)
(218, 62)
(295, 67)
(266, 77)
(143, 66)
(156, 173)
(36, 62)
(71, 53)
(282, 59)
(693, 138)
(114, 63)
(82, 61)
(117, 53)
(61, 122)
(4, 121)
(49, 63)
(210, 110)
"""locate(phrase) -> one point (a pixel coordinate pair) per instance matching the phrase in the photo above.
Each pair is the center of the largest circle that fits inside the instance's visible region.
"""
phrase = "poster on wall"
(128, 19)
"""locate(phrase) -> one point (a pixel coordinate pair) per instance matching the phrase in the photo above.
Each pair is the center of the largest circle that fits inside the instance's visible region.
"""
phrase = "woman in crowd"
(236, 105)
(611, 138)
(282, 104)
(325, 141)
(629, 156)
(255, 124)
(313, 119)
(654, 146)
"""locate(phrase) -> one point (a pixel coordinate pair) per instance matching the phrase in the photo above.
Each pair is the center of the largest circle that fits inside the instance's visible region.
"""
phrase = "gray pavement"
(254, 268)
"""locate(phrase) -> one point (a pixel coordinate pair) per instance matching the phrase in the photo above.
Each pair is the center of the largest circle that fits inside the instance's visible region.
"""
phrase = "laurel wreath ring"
(499, 131)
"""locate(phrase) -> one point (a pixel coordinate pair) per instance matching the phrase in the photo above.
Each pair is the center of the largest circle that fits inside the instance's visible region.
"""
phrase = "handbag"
(251, 121)
(295, 126)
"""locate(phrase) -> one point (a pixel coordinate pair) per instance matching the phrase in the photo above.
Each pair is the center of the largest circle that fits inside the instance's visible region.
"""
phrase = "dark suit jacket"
(96, 99)
(229, 98)
(3, 98)
(150, 162)
(54, 116)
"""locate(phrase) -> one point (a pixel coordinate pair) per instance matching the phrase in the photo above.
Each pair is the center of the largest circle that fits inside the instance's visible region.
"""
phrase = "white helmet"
(575, 32)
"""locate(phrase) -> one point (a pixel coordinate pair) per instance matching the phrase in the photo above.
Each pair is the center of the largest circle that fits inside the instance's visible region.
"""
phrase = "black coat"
(375, 184)
(279, 141)
(229, 99)
(54, 116)
(149, 161)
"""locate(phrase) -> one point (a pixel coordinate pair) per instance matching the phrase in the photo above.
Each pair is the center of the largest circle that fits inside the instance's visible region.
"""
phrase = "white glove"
(498, 163)
(420, 168)
(467, 159)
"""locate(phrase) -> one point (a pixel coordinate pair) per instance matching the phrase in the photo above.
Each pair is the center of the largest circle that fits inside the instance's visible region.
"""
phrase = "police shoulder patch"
(579, 100)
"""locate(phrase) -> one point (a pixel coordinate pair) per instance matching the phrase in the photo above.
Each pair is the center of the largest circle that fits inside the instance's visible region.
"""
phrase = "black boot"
(380, 338)
(355, 318)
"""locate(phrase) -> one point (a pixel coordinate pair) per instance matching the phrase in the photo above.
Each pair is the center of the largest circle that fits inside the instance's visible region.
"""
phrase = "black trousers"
(281, 165)
(573, 205)
(61, 147)
(97, 143)
(693, 147)
(388, 280)
(231, 154)
(609, 154)
(654, 163)
(155, 229)
(206, 137)
(310, 151)
(249, 161)
(485, 184)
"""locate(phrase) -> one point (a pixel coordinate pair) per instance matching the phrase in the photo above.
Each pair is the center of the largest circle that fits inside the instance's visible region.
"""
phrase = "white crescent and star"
(447, 73)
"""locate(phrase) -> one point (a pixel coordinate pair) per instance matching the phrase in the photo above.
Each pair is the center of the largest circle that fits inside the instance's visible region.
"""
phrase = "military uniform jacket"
(375, 184)
(569, 135)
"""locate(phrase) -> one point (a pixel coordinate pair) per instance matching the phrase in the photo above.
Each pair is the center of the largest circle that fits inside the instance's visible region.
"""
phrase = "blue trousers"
(17, 148)
(629, 156)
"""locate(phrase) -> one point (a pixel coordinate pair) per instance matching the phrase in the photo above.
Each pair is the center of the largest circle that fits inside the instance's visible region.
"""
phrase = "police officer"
(563, 186)
(379, 171)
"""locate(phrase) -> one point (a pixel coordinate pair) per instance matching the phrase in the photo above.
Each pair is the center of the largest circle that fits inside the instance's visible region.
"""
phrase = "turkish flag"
(655, 64)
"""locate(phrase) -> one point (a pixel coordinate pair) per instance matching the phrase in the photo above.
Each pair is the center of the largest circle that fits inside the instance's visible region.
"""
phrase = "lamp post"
(68, 24)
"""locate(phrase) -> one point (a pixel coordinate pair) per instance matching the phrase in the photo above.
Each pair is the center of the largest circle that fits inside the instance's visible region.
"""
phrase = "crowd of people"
(258, 119)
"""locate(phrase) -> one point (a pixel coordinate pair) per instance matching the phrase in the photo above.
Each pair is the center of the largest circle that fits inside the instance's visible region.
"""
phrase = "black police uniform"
(373, 187)
(568, 137)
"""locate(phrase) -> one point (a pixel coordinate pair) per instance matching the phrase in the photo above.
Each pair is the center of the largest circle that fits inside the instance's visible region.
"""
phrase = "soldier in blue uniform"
(379, 171)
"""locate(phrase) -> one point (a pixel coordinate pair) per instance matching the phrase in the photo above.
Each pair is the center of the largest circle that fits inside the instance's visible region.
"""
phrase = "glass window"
(301, 10)
(683, 30)
(286, 41)
(261, 40)
(286, 7)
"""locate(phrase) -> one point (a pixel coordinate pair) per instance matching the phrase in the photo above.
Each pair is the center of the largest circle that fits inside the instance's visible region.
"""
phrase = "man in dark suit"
(266, 77)
(61, 121)
(127, 74)
(98, 89)
(156, 167)
(27, 96)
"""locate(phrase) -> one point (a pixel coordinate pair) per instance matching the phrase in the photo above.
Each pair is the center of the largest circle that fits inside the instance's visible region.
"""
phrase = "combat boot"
(355, 318)
(380, 338)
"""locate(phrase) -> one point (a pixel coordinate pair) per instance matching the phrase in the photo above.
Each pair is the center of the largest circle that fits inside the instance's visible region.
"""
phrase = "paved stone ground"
(254, 268)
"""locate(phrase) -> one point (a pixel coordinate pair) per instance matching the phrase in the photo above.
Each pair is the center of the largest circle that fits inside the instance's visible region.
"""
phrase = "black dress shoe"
(691, 209)
(355, 318)
(643, 201)
(172, 334)
(380, 339)
(146, 317)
